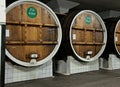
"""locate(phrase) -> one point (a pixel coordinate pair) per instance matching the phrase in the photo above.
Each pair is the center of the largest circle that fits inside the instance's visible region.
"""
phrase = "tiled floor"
(101, 78)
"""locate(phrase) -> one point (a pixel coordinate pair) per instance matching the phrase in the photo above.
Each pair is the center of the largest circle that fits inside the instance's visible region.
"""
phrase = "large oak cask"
(84, 35)
(113, 42)
(33, 33)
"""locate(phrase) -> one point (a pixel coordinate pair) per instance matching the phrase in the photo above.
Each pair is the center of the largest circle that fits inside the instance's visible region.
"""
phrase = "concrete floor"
(101, 78)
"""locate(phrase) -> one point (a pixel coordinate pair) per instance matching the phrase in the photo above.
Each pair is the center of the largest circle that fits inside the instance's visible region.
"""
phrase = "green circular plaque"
(88, 20)
(32, 12)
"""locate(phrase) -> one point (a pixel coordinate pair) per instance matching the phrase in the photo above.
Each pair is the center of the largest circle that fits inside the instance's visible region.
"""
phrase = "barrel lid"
(116, 37)
(88, 20)
(51, 55)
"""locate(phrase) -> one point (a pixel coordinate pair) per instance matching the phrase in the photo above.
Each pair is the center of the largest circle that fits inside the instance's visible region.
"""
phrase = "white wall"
(2, 12)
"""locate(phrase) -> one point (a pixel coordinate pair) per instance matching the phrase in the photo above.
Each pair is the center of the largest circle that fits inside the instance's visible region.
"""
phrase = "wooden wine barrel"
(84, 35)
(117, 37)
(113, 42)
(33, 33)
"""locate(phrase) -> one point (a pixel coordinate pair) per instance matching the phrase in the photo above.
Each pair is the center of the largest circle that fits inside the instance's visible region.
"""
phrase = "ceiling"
(96, 5)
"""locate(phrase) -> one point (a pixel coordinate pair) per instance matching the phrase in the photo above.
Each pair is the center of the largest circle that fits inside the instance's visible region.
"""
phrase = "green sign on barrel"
(88, 20)
(32, 12)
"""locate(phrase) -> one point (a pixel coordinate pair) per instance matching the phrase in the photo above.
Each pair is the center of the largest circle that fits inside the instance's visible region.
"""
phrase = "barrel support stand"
(72, 66)
(16, 73)
(112, 63)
